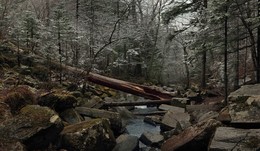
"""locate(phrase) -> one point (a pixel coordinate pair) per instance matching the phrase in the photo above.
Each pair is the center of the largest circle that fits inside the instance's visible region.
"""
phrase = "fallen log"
(150, 113)
(128, 87)
(137, 103)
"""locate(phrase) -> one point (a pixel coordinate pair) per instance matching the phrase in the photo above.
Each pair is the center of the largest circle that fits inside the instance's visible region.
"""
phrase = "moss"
(18, 97)
(58, 100)
(40, 72)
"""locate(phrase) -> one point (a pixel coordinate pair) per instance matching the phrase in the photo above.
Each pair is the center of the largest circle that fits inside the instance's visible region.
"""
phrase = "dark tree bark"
(258, 47)
(226, 54)
(76, 57)
(236, 82)
(204, 57)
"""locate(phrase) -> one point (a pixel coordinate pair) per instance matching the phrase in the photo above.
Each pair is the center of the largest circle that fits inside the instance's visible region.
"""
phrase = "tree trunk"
(236, 81)
(258, 47)
(76, 57)
(186, 67)
(204, 56)
(60, 57)
(226, 55)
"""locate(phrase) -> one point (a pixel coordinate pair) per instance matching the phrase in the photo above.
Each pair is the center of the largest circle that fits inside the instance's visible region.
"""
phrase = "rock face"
(237, 139)
(35, 126)
(113, 117)
(93, 135)
(127, 143)
(151, 139)
(195, 138)
(58, 100)
(174, 119)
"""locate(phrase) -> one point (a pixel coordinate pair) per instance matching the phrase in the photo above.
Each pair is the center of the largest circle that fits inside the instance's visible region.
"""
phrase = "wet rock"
(113, 117)
(127, 142)
(171, 120)
(58, 100)
(153, 120)
(151, 139)
(35, 126)
(71, 116)
(195, 138)
(76, 94)
(93, 135)
(237, 139)
(18, 97)
(166, 107)
(11, 145)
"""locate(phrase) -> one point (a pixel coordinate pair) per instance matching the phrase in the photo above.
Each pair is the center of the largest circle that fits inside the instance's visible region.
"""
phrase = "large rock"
(166, 107)
(151, 139)
(127, 142)
(195, 138)
(11, 145)
(243, 106)
(58, 100)
(172, 120)
(93, 135)
(237, 139)
(71, 116)
(18, 97)
(35, 126)
(113, 117)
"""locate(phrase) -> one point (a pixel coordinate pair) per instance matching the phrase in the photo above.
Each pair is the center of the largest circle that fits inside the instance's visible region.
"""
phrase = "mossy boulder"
(93, 135)
(11, 145)
(5, 112)
(18, 97)
(40, 72)
(35, 126)
(58, 100)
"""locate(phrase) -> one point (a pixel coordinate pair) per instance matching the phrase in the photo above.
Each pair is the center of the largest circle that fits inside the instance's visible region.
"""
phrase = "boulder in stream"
(172, 119)
(127, 142)
(35, 126)
(151, 139)
(93, 135)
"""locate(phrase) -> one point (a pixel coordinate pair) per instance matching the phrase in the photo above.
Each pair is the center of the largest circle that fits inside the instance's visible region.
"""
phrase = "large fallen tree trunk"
(133, 88)
(136, 89)
(128, 87)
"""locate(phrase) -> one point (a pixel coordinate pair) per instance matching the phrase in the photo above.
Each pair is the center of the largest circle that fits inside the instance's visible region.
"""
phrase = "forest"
(72, 64)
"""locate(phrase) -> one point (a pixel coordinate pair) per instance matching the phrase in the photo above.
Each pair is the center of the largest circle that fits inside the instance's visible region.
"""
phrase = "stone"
(11, 145)
(71, 116)
(237, 139)
(58, 100)
(166, 107)
(94, 102)
(245, 92)
(151, 139)
(153, 120)
(113, 117)
(93, 135)
(127, 142)
(195, 138)
(35, 126)
(172, 119)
